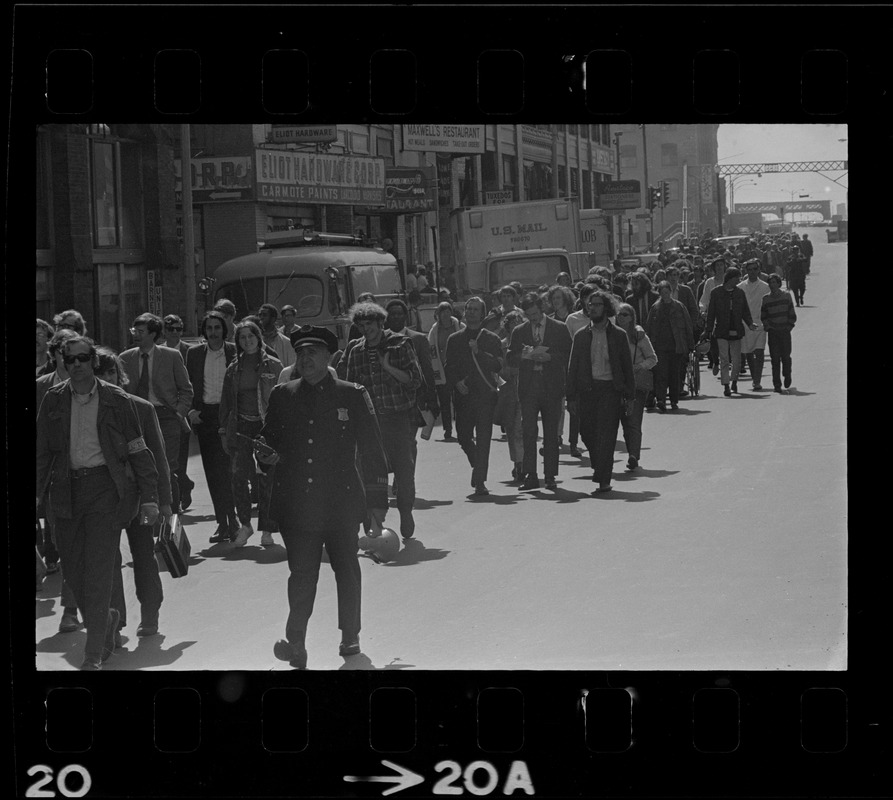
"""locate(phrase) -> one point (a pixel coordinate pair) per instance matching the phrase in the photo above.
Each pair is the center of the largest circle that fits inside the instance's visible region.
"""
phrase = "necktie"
(537, 337)
(142, 387)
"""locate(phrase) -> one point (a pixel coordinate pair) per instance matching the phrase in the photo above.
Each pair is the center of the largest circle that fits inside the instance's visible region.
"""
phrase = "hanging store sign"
(283, 134)
(460, 139)
(216, 179)
(617, 195)
(287, 177)
(410, 190)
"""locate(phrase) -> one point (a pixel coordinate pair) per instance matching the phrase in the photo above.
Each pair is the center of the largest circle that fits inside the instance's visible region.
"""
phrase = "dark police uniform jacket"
(332, 464)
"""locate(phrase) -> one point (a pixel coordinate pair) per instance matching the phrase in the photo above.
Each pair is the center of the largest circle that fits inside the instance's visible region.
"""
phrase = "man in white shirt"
(268, 314)
(753, 346)
(206, 364)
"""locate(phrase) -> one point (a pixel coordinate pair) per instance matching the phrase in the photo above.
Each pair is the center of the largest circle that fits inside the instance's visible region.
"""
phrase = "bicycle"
(693, 368)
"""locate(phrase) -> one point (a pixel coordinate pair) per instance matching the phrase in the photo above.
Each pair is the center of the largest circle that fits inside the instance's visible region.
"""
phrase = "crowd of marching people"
(590, 357)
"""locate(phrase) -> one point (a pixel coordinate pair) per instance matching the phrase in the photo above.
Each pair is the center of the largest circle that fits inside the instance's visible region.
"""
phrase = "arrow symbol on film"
(404, 780)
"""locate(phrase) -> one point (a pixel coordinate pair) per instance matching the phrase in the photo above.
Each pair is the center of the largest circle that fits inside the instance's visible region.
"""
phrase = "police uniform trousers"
(474, 429)
(88, 543)
(215, 463)
(304, 550)
(539, 398)
(149, 591)
(600, 407)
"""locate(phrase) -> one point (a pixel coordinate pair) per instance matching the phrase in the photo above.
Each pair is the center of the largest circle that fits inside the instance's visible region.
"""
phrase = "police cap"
(312, 334)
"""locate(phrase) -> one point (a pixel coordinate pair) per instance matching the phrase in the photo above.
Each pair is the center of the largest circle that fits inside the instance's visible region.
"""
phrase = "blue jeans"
(632, 424)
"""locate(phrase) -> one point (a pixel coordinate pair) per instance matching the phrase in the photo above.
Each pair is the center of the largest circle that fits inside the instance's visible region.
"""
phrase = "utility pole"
(188, 232)
(645, 165)
(619, 225)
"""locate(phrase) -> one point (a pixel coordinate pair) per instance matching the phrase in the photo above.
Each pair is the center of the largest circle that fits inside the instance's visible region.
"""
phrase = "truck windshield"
(304, 292)
(529, 270)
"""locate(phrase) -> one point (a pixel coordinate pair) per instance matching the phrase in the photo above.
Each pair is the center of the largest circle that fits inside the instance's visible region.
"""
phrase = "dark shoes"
(448, 437)
(146, 629)
(734, 387)
(662, 408)
(349, 647)
(407, 524)
(778, 390)
(787, 382)
(294, 653)
(674, 406)
(221, 534)
(91, 664)
(530, 482)
(604, 489)
(757, 387)
(185, 499)
(575, 451)
(632, 463)
(69, 622)
(726, 390)
(551, 485)
(481, 490)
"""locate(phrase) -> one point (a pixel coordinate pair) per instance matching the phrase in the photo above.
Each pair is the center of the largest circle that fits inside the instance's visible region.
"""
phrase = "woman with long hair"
(445, 324)
(644, 359)
(247, 384)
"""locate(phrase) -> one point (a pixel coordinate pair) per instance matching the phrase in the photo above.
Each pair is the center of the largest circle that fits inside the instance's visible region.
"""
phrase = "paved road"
(727, 550)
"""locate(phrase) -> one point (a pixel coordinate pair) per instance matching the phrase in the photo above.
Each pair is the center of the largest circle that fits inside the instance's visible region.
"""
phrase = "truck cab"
(320, 274)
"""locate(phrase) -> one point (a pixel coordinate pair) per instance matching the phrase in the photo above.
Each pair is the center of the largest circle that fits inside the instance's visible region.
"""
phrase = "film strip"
(558, 724)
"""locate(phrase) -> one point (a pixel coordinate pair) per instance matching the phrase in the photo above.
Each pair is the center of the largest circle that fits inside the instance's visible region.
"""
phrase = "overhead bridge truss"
(726, 170)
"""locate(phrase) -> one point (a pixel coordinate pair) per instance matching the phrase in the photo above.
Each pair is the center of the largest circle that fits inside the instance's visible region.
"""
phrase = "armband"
(136, 445)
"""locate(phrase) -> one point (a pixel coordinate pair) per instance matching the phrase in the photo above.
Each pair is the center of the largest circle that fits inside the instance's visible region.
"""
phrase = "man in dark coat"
(206, 365)
(599, 382)
(319, 428)
(540, 348)
(97, 472)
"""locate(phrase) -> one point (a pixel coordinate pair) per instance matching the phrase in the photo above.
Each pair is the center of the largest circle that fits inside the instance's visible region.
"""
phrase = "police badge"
(342, 415)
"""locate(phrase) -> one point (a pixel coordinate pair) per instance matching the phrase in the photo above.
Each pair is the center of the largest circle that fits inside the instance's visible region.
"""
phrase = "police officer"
(316, 426)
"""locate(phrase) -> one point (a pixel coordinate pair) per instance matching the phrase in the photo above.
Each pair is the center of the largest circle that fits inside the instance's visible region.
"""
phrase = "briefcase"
(172, 549)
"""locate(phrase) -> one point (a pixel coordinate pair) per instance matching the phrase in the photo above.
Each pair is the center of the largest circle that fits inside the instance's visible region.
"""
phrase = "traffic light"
(653, 198)
(664, 193)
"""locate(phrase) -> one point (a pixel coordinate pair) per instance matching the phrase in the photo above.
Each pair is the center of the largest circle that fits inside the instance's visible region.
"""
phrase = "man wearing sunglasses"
(93, 463)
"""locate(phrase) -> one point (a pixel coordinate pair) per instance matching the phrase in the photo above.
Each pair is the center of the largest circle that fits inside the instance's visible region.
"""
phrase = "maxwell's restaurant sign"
(458, 139)
(289, 177)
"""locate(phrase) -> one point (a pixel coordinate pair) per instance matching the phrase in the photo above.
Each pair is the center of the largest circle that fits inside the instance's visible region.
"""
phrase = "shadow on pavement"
(362, 661)
(797, 393)
(187, 517)
(629, 497)
(45, 606)
(640, 472)
(684, 412)
(421, 504)
(256, 552)
(558, 495)
(494, 499)
(147, 653)
(413, 552)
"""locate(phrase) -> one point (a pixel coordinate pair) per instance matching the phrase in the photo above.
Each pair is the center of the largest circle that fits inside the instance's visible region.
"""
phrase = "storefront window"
(105, 195)
(121, 297)
(131, 196)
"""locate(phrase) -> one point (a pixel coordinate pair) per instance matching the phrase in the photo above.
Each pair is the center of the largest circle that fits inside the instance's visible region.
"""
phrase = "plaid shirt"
(388, 395)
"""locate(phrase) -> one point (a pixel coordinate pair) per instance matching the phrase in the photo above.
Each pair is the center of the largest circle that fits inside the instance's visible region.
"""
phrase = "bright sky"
(749, 144)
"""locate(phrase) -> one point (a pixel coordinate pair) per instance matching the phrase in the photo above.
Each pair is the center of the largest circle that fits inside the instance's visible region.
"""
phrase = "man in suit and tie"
(157, 374)
(540, 348)
(206, 365)
(173, 330)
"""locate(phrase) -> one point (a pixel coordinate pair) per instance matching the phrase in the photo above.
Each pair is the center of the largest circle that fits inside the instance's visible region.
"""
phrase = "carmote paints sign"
(291, 177)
